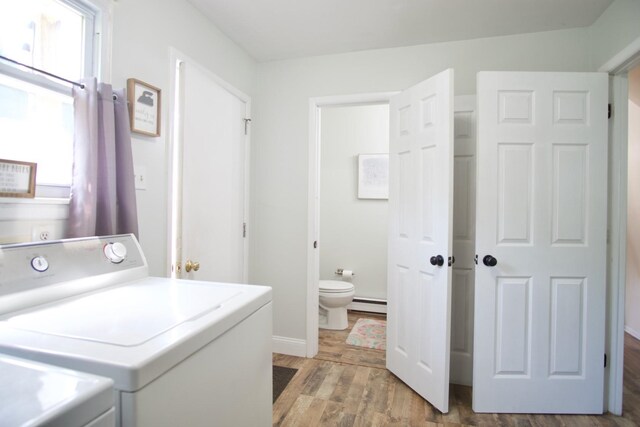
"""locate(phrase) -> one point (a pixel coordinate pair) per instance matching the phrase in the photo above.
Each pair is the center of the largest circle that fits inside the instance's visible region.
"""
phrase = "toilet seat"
(335, 286)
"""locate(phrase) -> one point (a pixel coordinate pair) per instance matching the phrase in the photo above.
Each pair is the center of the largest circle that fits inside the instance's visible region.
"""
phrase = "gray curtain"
(103, 199)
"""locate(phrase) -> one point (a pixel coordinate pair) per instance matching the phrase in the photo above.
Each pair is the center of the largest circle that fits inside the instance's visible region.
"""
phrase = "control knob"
(115, 252)
(40, 264)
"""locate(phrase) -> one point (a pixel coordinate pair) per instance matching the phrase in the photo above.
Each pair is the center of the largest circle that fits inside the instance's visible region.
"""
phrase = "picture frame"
(145, 110)
(17, 179)
(373, 176)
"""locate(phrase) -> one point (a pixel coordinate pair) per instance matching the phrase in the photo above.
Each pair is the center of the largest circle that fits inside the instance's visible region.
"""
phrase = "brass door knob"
(191, 265)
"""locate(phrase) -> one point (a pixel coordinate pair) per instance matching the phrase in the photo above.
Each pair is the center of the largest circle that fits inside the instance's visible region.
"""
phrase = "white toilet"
(335, 296)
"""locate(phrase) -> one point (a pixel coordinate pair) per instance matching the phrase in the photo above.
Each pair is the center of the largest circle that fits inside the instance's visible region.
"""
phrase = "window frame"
(96, 62)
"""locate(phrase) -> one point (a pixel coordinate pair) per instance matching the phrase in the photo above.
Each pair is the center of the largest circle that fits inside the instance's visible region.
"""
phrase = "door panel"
(541, 212)
(464, 239)
(213, 178)
(420, 203)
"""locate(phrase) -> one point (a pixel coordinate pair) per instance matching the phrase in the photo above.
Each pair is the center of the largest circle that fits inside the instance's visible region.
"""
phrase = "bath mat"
(281, 377)
(369, 333)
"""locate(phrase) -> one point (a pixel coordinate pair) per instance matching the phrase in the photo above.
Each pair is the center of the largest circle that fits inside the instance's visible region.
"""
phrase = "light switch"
(140, 177)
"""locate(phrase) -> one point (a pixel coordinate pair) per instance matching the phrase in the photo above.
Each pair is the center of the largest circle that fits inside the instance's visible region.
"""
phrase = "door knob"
(437, 260)
(489, 261)
(191, 265)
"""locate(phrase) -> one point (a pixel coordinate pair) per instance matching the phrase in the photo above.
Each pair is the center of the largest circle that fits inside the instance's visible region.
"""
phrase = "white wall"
(616, 28)
(143, 32)
(632, 300)
(281, 135)
(353, 232)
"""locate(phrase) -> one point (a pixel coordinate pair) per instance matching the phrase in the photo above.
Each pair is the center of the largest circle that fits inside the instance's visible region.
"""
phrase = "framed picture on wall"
(144, 107)
(17, 179)
(373, 176)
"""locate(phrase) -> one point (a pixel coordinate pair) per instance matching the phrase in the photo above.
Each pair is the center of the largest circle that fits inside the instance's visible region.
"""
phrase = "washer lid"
(335, 286)
(127, 315)
(38, 394)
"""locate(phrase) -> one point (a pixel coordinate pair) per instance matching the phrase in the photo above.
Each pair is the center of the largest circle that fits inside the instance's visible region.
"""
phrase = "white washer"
(35, 394)
(179, 352)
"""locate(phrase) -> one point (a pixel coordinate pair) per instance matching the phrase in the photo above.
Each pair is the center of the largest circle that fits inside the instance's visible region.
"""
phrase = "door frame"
(313, 219)
(617, 68)
(174, 154)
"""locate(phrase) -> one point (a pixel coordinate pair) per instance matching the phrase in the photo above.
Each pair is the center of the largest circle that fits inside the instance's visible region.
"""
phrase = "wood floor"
(332, 345)
(341, 387)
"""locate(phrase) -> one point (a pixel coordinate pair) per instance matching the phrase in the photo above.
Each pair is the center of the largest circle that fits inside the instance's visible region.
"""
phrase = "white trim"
(617, 67)
(174, 131)
(177, 58)
(39, 209)
(313, 257)
(290, 346)
(617, 250)
(632, 332)
(624, 60)
(103, 39)
(313, 254)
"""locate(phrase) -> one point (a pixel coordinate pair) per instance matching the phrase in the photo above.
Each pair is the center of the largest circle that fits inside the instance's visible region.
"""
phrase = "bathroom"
(353, 217)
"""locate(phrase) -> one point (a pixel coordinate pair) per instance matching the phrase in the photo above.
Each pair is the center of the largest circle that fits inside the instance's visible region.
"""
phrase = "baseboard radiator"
(371, 305)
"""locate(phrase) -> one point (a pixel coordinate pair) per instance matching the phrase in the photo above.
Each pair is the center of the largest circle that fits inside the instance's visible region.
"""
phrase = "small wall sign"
(17, 179)
(144, 107)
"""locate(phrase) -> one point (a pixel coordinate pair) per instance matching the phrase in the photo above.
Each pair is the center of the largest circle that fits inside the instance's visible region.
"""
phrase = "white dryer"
(34, 394)
(179, 352)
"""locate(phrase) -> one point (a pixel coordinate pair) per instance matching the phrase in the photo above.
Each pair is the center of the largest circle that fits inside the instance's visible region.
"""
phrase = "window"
(36, 112)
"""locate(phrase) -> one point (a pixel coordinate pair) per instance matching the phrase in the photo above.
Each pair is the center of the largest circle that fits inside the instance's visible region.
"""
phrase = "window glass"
(36, 125)
(36, 118)
(45, 34)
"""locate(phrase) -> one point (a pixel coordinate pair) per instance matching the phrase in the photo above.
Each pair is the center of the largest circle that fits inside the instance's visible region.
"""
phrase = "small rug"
(369, 333)
(281, 377)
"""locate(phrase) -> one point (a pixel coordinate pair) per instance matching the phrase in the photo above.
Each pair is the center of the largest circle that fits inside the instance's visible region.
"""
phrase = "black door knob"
(437, 260)
(489, 261)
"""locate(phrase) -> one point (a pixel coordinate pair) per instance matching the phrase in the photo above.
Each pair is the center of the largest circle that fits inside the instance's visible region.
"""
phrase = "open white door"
(541, 243)
(211, 244)
(420, 240)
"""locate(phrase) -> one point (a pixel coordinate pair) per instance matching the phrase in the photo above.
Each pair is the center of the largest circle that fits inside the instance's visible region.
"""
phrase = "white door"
(464, 239)
(541, 217)
(420, 210)
(212, 244)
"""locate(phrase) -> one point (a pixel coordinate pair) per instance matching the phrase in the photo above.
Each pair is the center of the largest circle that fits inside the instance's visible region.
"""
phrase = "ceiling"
(282, 29)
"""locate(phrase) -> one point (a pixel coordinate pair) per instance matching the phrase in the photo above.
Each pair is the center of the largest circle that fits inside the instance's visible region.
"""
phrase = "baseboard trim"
(632, 332)
(368, 307)
(289, 346)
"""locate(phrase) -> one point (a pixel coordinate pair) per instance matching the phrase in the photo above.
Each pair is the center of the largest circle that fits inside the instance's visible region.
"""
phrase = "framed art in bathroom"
(373, 176)
(17, 179)
(144, 107)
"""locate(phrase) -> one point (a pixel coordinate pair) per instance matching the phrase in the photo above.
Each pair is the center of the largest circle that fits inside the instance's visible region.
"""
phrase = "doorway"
(332, 112)
(353, 225)
(209, 175)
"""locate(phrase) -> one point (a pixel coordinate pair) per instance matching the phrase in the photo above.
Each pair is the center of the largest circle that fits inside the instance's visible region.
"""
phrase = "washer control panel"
(39, 264)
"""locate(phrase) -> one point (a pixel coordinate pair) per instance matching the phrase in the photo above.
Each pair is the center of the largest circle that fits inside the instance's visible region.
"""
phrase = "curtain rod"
(80, 85)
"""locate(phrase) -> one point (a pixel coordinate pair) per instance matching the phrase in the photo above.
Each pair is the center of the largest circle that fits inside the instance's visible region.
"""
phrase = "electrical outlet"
(40, 232)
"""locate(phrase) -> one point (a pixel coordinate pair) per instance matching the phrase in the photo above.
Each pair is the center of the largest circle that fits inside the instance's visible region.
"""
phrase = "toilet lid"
(335, 286)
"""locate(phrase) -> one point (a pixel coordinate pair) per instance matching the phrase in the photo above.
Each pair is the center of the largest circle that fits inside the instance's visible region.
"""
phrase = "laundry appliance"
(34, 394)
(179, 352)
